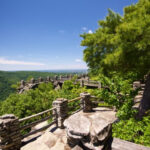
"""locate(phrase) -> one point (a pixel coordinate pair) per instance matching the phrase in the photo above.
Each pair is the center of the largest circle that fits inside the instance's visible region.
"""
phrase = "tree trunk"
(145, 102)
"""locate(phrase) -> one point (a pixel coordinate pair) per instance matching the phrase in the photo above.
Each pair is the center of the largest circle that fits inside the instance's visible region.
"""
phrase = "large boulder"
(93, 130)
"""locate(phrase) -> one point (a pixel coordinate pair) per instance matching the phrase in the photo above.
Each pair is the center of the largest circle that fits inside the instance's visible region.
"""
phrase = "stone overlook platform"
(83, 131)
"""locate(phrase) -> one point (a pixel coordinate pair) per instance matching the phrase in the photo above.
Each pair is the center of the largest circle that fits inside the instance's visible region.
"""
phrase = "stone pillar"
(32, 80)
(10, 137)
(60, 77)
(22, 84)
(40, 79)
(81, 83)
(55, 77)
(48, 79)
(62, 110)
(67, 76)
(86, 103)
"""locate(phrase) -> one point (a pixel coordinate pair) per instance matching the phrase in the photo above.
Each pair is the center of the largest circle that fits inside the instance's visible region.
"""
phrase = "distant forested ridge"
(9, 78)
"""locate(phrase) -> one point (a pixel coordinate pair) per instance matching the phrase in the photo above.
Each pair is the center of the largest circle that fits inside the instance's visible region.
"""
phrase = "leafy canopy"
(120, 43)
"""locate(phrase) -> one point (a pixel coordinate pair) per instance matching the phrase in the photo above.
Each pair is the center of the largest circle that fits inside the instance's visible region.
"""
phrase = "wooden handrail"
(34, 123)
(38, 130)
(94, 97)
(6, 146)
(78, 98)
(76, 111)
(36, 115)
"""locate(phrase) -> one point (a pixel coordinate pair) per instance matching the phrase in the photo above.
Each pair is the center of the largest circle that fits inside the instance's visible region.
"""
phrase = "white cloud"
(78, 60)
(90, 31)
(4, 61)
(84, 28)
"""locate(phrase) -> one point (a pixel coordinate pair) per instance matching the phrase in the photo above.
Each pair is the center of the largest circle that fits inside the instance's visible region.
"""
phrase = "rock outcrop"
(49, 141)
(92, 130)
(83, 131)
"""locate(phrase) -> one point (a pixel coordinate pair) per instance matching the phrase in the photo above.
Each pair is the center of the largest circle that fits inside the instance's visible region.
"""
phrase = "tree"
(122, 44)
(101, 43)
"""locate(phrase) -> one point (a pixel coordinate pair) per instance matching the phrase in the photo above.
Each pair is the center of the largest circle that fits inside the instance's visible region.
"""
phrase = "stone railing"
(57, 81)
(11, 126)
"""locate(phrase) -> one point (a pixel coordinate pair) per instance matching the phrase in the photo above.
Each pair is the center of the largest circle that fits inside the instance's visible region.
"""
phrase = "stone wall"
(58, 82)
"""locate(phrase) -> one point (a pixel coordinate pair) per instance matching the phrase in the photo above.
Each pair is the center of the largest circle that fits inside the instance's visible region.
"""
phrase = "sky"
(45, 34)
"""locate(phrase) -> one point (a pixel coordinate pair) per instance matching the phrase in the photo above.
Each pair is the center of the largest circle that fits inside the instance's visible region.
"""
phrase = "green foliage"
(117, 92)
(133, 130)
(40, 99)
(101, 42)
(120, 43)
(68, 85)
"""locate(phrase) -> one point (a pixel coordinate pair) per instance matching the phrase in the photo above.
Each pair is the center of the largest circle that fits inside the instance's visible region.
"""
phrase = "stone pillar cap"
(8, 116)
(61, 99)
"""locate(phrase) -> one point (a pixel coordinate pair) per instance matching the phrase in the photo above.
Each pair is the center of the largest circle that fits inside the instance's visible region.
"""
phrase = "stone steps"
(140, 92)
(137, 99)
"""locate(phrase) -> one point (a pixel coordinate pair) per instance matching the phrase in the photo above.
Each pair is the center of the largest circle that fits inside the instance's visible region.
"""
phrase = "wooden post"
(10, 137)
(88, 79)
(61, 110)
(99, 85)
(86, 103)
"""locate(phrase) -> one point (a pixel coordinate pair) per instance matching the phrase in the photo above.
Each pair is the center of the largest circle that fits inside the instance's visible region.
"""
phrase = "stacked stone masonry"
(137, 85)
(10, 137)
(61, 110)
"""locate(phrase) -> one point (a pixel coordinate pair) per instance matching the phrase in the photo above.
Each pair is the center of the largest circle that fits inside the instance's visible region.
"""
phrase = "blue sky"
(44, 34)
